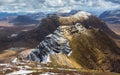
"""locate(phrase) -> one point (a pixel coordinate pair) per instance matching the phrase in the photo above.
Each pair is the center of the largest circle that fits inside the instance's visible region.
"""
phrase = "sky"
(32, 6)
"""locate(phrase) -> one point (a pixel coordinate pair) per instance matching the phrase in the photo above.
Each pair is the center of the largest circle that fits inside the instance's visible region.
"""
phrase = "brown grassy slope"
(91, 49)
(94, 52)
(91, 21)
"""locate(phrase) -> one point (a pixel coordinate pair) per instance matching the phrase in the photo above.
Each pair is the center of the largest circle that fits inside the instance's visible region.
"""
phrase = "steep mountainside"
(80, 41)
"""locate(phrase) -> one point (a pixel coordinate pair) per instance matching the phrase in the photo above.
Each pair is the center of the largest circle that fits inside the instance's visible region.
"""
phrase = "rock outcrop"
(53, 43)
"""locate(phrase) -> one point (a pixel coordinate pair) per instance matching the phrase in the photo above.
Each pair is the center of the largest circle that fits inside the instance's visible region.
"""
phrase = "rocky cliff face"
(53, 43)
(79, 41)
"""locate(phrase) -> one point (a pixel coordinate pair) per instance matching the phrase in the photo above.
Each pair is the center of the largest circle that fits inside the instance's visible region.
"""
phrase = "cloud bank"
(30, 6)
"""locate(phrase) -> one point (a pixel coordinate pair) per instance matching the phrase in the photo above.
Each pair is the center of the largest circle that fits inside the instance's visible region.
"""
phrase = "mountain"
(23, 20)
(79, 42)
(67, 12)
(112, 18)
(37, 16)
(114, 1)
(4, 15)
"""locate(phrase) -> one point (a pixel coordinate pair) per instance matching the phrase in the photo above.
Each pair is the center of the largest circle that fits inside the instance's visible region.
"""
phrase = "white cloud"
(53, 5)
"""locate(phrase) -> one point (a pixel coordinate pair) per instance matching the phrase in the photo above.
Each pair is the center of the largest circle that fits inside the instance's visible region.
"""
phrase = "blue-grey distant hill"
(112, 16)
(114, 1)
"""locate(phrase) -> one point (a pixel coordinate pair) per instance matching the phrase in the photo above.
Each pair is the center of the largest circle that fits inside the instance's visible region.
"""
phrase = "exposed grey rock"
(53, 43)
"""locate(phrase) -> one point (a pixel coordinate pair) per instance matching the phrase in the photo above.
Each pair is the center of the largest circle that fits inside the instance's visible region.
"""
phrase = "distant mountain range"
(17, 19)
(114, 1)
(5, 14)
(112, 16)
(37, 16)
(23, 20)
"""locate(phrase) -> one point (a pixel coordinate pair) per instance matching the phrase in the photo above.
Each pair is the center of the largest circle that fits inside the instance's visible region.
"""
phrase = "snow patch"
(39, 67)
(5, 69)
(15, 60)
(13, 35)
(23, 67)
(20, 72)
(83, 14)
(70, 53)
(3, 64)
(6, 65)
(67, 69)
(61, 40)
(46, 59)
(48, 73)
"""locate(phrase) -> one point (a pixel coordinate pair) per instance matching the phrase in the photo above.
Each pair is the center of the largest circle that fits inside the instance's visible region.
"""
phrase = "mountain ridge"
(92, 47)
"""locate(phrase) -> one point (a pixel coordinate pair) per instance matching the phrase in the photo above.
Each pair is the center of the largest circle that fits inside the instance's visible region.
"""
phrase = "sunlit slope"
(90, 50)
